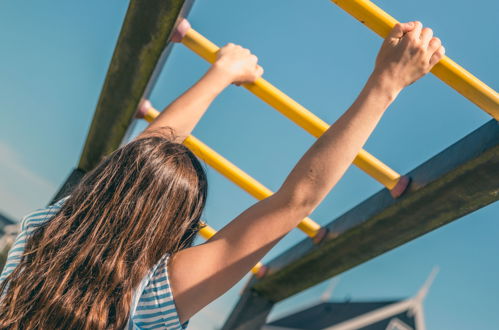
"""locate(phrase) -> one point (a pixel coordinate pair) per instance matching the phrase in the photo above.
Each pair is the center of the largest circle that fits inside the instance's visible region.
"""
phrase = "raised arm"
(201, 274)
(234, 65)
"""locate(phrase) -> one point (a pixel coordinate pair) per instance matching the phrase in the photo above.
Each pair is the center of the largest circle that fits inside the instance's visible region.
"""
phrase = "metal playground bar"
(293, 110)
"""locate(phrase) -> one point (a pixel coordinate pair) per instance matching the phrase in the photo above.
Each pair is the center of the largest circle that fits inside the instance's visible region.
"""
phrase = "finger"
(426, 35)
(245, 50)
(415, 33)
(259, 71)
(434, 44)
(437, 56)
(400, 29)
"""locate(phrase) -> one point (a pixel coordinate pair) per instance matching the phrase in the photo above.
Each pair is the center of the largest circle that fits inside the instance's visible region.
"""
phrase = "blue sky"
(54, 60)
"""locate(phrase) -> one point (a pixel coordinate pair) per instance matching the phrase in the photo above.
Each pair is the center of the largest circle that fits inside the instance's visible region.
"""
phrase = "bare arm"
(234, 65)
(201, 274)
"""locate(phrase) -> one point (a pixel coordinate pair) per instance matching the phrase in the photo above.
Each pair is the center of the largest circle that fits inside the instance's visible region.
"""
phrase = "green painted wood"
(141, 44)
(250, 313)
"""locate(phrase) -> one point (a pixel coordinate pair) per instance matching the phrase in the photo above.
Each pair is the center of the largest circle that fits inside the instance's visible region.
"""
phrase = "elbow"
(299, 201)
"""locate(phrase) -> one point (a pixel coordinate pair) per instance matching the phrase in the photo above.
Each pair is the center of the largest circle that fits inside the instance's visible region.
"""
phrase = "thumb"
(400, 29)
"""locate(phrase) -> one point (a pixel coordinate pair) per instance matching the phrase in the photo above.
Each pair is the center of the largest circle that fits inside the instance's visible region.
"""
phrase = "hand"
(238, 64)
(408, 53)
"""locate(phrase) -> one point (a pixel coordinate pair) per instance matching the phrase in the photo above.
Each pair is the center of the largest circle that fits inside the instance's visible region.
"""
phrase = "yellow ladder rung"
(446, 70)
(233, 173)
(297, 113)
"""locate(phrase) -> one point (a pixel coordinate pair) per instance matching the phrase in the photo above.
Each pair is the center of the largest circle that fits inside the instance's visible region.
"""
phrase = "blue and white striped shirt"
(152, 307)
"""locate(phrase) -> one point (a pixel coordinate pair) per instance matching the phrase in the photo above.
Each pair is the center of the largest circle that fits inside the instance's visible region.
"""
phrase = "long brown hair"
(79, 269)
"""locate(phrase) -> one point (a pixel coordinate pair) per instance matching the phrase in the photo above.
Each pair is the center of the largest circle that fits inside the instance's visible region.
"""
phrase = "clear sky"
(54, 58)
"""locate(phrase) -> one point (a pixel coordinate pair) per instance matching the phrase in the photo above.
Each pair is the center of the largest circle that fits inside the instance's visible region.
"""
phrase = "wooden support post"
(141, 50)
(250, 313)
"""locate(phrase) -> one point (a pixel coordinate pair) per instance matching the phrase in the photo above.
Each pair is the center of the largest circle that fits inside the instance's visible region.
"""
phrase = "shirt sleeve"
(28, 225)
(156, 308)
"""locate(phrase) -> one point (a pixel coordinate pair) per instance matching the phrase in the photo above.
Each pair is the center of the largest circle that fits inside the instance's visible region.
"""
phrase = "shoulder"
(40, 216)
(156, 305)
(28, 225)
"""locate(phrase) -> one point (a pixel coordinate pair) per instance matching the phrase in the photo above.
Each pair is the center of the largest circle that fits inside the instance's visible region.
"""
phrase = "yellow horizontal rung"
(296, 112)
(207, 232)
(233, 173)
(240, 178)
(446, 70)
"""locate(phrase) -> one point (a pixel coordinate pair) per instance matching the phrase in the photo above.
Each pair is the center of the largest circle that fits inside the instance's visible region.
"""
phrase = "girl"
(117, 252)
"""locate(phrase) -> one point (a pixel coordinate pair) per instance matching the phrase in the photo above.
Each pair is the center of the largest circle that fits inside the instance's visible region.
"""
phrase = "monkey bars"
(293, 110)
(457, 181)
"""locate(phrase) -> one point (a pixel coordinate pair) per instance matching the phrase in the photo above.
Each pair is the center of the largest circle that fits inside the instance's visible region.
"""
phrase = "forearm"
(184, 113)
(312, 177)
(327, 160)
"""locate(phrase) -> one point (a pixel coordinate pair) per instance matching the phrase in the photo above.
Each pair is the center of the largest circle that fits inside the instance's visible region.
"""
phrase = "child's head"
(144, 200)
(151, 185)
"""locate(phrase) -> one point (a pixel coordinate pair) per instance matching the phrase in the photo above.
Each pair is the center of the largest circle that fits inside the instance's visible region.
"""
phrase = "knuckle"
(413, 39)
(436, 41)
(417, 49)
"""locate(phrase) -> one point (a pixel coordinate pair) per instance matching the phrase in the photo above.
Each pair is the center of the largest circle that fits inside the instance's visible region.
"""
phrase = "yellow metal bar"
(208, 232)
(234, 174)
(294, 111)
(446, 70)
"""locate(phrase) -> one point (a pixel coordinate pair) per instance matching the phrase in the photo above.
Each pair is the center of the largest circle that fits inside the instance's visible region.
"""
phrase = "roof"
(328, 314)
(5, 221)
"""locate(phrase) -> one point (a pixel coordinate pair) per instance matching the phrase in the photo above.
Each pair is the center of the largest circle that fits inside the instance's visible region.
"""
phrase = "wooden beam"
(134, 66)
(138, 59)
(250, 313)
(459, 180)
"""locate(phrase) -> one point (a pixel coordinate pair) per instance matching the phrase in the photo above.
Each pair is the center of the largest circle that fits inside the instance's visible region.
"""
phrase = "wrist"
(384, 84)
(219, 75)
(215, 81)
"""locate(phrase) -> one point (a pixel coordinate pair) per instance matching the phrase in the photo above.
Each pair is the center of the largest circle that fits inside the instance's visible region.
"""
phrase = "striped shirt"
(152, 306)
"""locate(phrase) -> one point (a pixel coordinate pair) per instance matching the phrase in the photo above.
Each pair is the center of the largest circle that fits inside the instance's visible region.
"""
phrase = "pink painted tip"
(261, 272)
(400, 187)
(181, 30)
(321, 234)
(144, 106)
